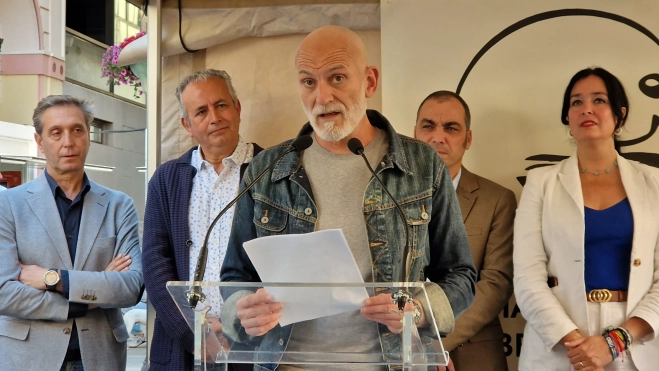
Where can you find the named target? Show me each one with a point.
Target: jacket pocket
(417, 214)
(120, 332)
(117, 324)
(14, 328)
(418, 218)
(268, 219)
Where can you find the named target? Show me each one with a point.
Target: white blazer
(549, 241)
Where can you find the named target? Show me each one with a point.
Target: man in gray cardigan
(70, 256)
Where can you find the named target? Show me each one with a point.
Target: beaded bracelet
(623, 333)
(612, 346)
(628, 336)
(619, 343)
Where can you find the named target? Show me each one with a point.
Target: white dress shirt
(211, 192)
(456, 180)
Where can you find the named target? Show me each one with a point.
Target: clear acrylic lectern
(413, 348)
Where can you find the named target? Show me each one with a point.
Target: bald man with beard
(328, 187)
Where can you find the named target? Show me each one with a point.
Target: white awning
(205, 27)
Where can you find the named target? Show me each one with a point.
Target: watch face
(51, 278)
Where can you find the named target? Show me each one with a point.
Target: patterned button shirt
(211, 192)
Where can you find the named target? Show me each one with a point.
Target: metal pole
(154, 73)
(153, 115)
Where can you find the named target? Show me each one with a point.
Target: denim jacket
(421, 183)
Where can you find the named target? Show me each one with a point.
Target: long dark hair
(614, 89)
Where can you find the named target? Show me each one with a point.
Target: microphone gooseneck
(403, 296)
(195, 295)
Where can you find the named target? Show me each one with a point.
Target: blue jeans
(72, 366)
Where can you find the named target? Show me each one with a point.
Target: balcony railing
(84, 66)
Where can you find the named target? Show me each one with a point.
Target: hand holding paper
(258, 313)
(382, 309)
(318, 257)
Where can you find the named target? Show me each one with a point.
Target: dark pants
(232, 367)
(72, 366)
(485, 355)
(241, 367)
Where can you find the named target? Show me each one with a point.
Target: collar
(395, 157)
(238, 156)
(54, 187)
(468, 182)
(456, 180)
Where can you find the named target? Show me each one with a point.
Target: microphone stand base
(194, 296)
(402, 297)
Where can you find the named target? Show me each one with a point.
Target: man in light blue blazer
(70, 256)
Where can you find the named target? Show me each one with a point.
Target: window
(126, 20)
(96, 130)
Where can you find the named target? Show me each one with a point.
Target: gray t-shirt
(338, 183)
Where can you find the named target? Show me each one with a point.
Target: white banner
(511, 60)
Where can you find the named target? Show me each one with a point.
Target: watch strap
(417, 312)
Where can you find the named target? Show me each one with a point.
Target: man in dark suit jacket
(488, 210)
(184, 196)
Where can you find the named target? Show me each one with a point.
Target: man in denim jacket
(329, 187)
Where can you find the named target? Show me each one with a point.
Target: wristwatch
(417, 313)
(51, 278)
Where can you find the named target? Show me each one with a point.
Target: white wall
(17, 139)
(515, 90)
(14, 16)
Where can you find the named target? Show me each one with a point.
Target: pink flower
(123, 72)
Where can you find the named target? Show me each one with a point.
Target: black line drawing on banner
(652, 91)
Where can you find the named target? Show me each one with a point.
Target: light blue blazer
(34, 329)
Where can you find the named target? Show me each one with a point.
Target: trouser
(485, 355)
(72, 366)
(602, 315)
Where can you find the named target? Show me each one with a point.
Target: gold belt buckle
(600, 295)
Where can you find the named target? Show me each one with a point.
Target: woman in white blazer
(590, 221)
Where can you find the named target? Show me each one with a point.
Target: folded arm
(17, 299)
(113, 289)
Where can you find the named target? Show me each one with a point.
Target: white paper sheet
(318, 257)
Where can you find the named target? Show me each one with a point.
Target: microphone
(195, 295)
(402, 296)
